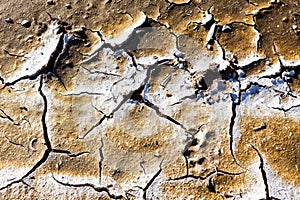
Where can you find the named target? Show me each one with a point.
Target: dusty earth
(161, 99)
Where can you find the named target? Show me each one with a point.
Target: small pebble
(9, 20)
(50, 2)
(68, 6)
(210, 47)
(226, 28)
(294, 27)
(25, 23)
(285, 19)
(262, 126)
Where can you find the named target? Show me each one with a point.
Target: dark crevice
(14, 143)
(263, 173)
(6, 116)
(152, 180)
(254, 64)
(99, 72)
(228, 173)
(12, 54)
(94, 126)
(250, 84)
(211, 186)
(84, 93)
(193, 177)
(235, 102)
(59, 151)
(286, 109)
(97, 189)
(43, 119)
(128, 96)
(101, 160)
(187, 165)
(138, 96)
(216, 172)
(46, 138)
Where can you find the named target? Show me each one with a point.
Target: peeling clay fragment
(242, 40)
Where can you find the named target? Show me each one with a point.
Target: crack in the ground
(15, 143)
(192, 177)
(89, 185)
(70, 154)
(45, 136)
(84, 93)
(6, 116)
(209, 175)
(236, 100)
(100, 72)
(148, 185)
(132, 94)
(94, 126)
(210, 185)
(101, 160)
(13, 54)
(43, 120)
(263, 173)
(32, 170)
(286, 109)
(137, 96)
(251, 83)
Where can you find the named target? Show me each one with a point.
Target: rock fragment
(26, 23)
(9, 20)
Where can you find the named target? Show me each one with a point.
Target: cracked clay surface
(162, 99)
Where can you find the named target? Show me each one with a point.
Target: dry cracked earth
(161, 99)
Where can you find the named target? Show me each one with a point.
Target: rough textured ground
(161, 99)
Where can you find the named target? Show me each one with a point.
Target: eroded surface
(150, 99)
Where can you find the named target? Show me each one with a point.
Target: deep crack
(152, 181)
(263, 173)
(97, 189)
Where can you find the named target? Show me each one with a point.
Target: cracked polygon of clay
(141, 134)
(197, 54)
(276, 143)
(154, 41)
(20, 114)
(256, 6)
(228, 12)
(79, 169)
(179, 17)
(37, 59)
(242, 42)
(279, 32)
(64, 127)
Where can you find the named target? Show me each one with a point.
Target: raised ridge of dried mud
(158, 99)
